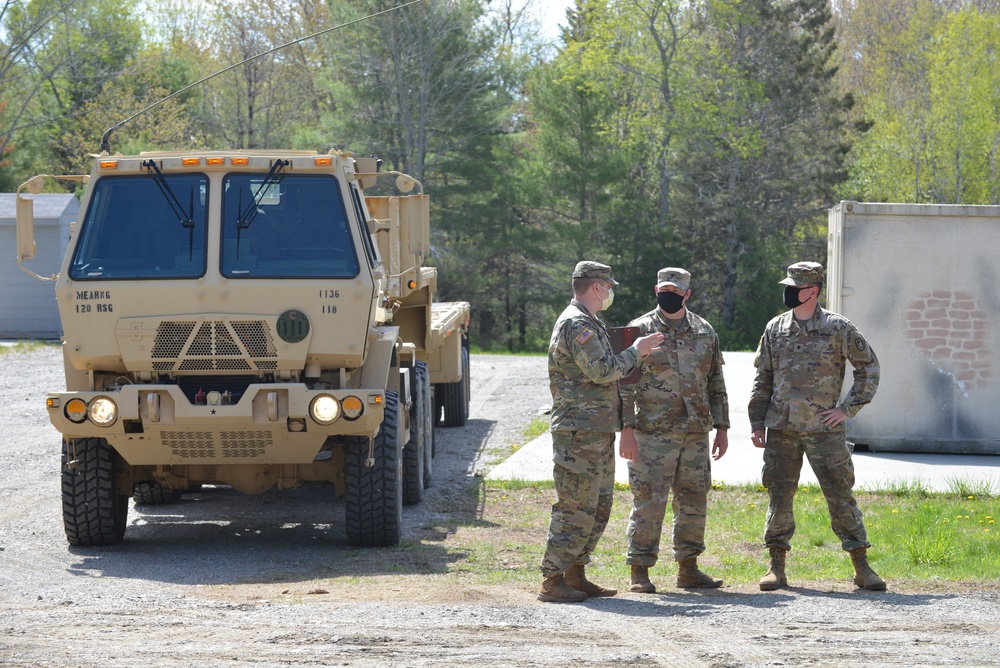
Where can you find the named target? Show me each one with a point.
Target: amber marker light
(76, 410)
(239, 161)
(215, 161)
(323, 161)
(189, 162)
(412, 285)
(352, 407)
(109, 164)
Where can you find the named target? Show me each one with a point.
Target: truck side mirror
(25, 212)
(25, 228)
(367, 171)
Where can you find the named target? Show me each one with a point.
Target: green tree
(761, 155)
(929, 83)
(67, 63)
(964, 82)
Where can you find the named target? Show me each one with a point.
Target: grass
(536, 428)
(497, 530)
(25, 347)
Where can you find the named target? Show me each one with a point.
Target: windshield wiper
(247, 215)
(185, 218)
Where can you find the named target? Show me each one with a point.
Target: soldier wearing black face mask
(796, 411)
(668, 414)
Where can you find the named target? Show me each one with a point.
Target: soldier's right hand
(645, 344)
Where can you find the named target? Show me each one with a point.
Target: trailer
(922, 282)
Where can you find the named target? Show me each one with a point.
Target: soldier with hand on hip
(586, 413)
(801, 362)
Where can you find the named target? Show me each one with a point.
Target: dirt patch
(222, 579)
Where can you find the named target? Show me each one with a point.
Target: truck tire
(456, 396)
(413, 453)
(93, 511)
(426, 399)
(374, 499)
(152, 493)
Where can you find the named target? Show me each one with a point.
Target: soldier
(679, 398)
(800, 363)
(586, 413)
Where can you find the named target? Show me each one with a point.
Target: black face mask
(791, 296)
(671, 302)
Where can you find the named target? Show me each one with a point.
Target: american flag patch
(584, 336)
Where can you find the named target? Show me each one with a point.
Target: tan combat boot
(689, 576)
(640, 580)
(577, 579)
(775, 578)
(555, 590)
(864, 576)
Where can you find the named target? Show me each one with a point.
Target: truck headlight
(102, 411)
(325, 409)
(353, 408)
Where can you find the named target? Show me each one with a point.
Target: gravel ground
(223, 579)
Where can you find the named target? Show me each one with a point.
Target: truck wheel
(152, 493)
(429, 418)
(413, 453)
(456, 396)
(93, 511)
(374, 500)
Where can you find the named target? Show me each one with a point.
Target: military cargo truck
(252, 319)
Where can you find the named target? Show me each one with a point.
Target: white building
(28, 305)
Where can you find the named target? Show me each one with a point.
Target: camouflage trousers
(668, 463)
(584, 474)
(830, 459)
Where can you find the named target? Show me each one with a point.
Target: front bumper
(271, 423)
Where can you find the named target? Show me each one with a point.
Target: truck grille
(212, 444)
(217, 345)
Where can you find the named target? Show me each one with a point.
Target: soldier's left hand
(832, 417)
(721, 443)
(628, 447)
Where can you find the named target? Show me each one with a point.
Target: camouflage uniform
(586, 413)
(800, 372)
(679, 398)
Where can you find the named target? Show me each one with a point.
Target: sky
(551, 13)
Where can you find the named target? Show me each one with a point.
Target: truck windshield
(129, 232)
(299, 230)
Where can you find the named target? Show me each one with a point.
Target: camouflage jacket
(681, 386)
(800, 372)
(583, 373)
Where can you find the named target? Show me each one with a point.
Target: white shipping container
(922, 282)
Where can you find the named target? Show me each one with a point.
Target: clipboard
(621, 338)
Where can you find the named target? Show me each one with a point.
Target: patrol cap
(675, 276)
(801, 274)
(588, 269)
